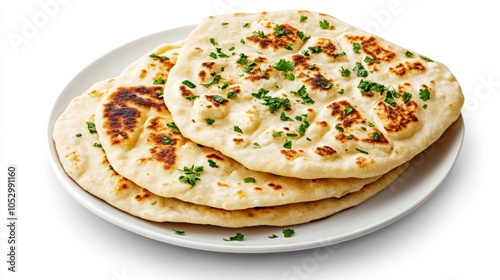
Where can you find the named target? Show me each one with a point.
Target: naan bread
(144, 145)
(89, 167)
(302, 94)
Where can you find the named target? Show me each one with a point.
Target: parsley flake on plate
(237, 237)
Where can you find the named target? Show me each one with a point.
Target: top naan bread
(143, 144)
(302, 94)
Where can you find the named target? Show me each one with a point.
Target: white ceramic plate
(407, 193)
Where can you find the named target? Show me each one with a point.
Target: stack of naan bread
(275, 118)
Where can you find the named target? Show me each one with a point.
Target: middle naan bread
(143, 144)
(302, 94)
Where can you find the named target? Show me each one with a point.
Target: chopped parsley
(316, 49)
(231, 95)
(191, 97)
(284, 65)
(97, 145)
(303, 18)
(345, 72)
(324, 83)
(78, 135)
(376, 136)
(212, 164)
(406, 97)
(425, 94)
(209, 121)
(174, 127)
(256, 145)
(369, 86)
(219, 99)
(249, 180)
(277, 133)
(409, 54)
(154, 202)
(324, 24)
(302, 36)
(389, 99)
(360, 70)
(242, 59)
(213, 82)
(224, 23)
(191, 175)
(179, 232)
(237, 129)
(288, 232)
(288, 144)
(368, 59)
(272, 236)
(339, 128)
(213, 42)
(274, 103)
(259, 33)
(154, 55)
(278, 31)
(361, 151)
(348, 110)
(426, 58)
(188, 84)
(91, 127)
(237, 237)
(159, 81)
(284, 117)
(246, 24)
(339, 55)
(160, 93)
(167, 141)
(301, 92)
(356, 47)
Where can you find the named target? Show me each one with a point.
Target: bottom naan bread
(78, 147)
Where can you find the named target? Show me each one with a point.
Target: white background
(453, 236)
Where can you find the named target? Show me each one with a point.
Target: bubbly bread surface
(302, 94)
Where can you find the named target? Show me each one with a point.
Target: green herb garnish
(188, 84)
(154, 55)
(237, 237)
(212, 164)
(192, 174)
(237, 129)
(167, 141)
(362, 151)
(288, 144)
(360, 70)
(324, 24)
(179, 232)
(278, 31)
(356, 47)
(426, 58)
(249, 180)
(288, 232)
(302, 93)
(159, 81)
(213, 82)
(284, 65)
(425, 94)
(91, 127)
